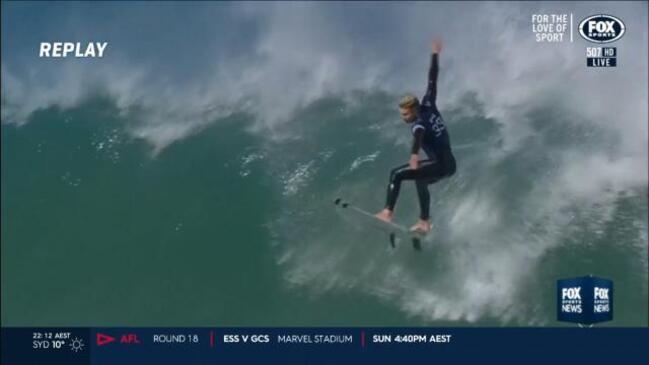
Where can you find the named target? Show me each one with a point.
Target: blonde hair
(408, 101)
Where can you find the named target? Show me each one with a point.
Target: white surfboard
(393, 229)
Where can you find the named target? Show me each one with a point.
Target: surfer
(430, 134)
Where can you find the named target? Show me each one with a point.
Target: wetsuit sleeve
(417, 138)
(431, 91)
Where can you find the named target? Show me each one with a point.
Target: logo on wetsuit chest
(437, 124)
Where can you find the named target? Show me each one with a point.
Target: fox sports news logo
(601, 28)
(571, 301)
(585, 300)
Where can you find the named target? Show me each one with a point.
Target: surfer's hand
(437, 45)
(414, 162)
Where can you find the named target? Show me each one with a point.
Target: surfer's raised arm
(431, 91)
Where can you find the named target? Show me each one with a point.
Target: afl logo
(601, 28)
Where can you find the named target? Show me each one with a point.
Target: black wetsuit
(430, 134)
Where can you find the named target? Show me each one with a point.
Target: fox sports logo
(601, 28)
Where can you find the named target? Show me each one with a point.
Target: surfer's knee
(396, 175)
(394, 172)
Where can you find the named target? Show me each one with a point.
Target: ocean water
(230, 226)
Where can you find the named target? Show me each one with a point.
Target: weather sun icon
(76, 345)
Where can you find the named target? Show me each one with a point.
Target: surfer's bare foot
(384, 215)
(422, 226)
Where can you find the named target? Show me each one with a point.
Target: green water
(173, 239)
(228, 227)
